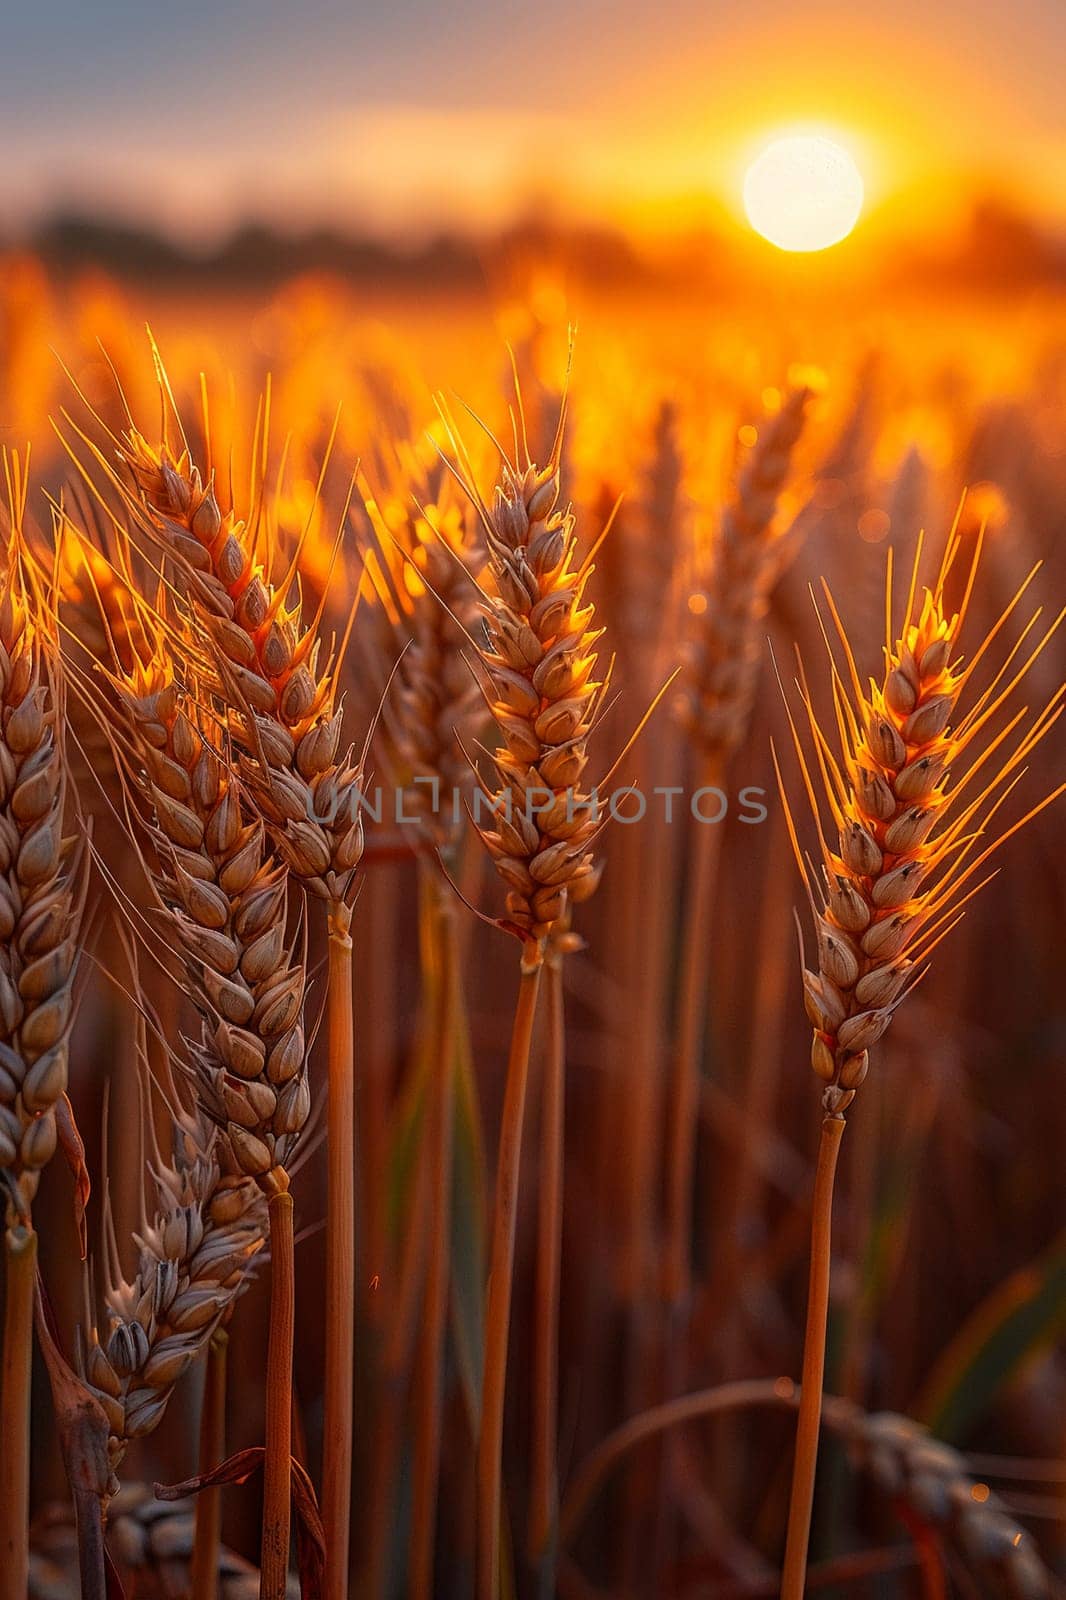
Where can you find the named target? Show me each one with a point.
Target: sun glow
(803, 193)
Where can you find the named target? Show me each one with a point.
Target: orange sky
(424, 113)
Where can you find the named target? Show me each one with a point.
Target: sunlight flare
(803, 193)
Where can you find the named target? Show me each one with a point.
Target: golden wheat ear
(428, 560)
(905, 792)
(738, 571)
(231, 582)
(202, 1226)
(537, 658)
(42, 889)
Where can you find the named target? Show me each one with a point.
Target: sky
(415, 113)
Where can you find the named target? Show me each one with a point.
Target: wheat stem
(692, 1005)
(428, 1395)
(92, 1557)
(930, 1556)
(682, 1124)
(498, 1314)
(380, 966)
(743, 1194)
(207, 1538)
(544, 1493)
(20, 1262)
(810, 1411)
(380, 1521)
(405, 1277)
(340, 1257)
(277, 1466)
(586, 1481)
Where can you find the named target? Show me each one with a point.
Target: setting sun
(803, 193)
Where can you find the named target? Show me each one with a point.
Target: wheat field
(466, 756)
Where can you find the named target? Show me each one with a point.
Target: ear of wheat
(280, 697)
(38, 892)
(285, 719)
(539, 662)
(929, 1481)
(723, 651)
(561, 942)
(431, 552)
(912, 793)
(193, 1258)
(226, 900)
(40, 911)
(936, 1484)
(911, 797)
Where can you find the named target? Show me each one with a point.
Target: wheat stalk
(722, 660)
(207, 1540)
(653, 541)
(911, 793)
(718, 689)
(278, 694)
(435, 708)
(543, 1456)
(538, 659)
(226, 898)
(424, 568)
(290, 731)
